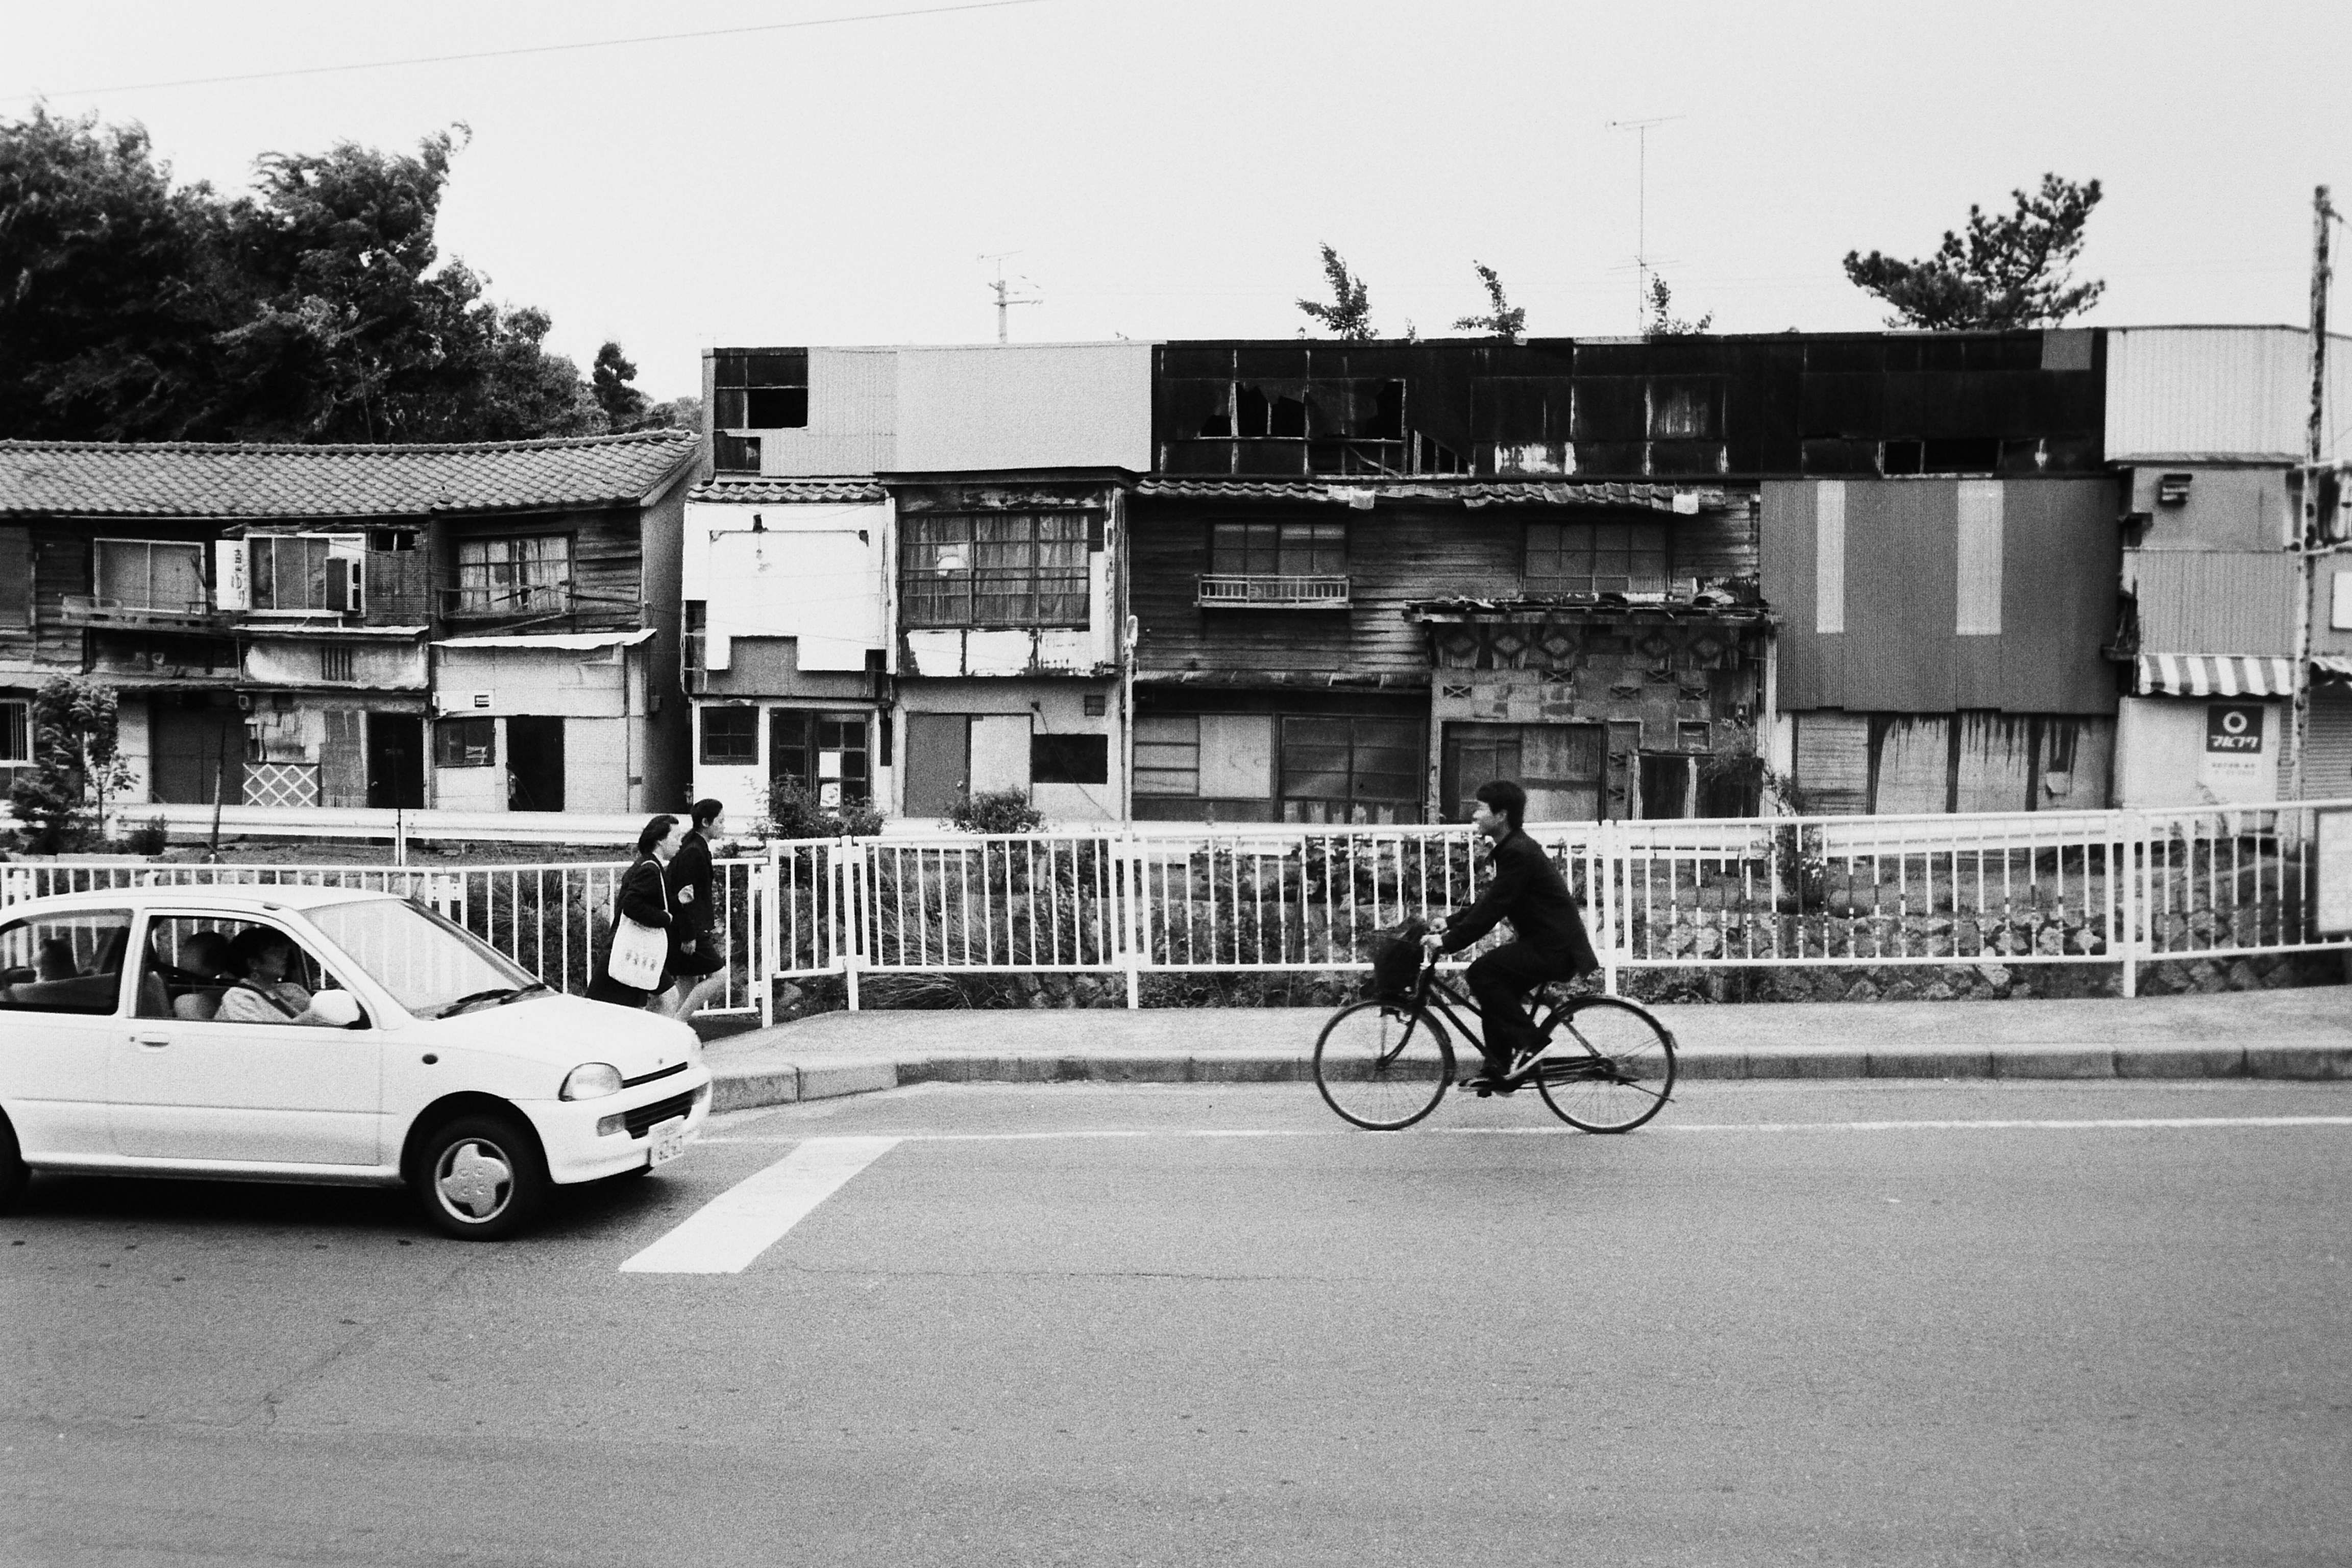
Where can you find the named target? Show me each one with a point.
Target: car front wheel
(480, 1178)
(13, 1177)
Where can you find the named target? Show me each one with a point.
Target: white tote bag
(639, 952)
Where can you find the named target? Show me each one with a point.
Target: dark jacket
(641, 898)
(1528, 892)
(688, 877)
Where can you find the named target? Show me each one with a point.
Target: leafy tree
(612, 377)
(1348, 317)
(1664, 323)
(2008, 270)
(105, 313)
(1503, 320)
(674, 414)
(77, 760)
(315, 308)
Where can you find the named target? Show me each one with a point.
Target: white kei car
(136, 1038)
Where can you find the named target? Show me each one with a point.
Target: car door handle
(152, 1042)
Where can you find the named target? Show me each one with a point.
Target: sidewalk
(2298, 1034)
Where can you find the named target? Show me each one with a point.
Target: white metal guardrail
(2124, 888)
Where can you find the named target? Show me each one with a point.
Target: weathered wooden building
(1368, 576)
(477, 627)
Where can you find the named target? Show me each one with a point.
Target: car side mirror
(334, 1009)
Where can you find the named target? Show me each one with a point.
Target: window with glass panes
(1596, 558)
(289, 571)
(730, 736)
(1351, 769)
(995, 569)
(149, 574)
(1279, 549)
(755, 391)
(514, 577)
(825, 753)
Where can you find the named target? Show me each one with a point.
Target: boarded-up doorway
(196, 746)
(1559, 765)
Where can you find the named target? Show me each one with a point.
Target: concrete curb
(768, 1082)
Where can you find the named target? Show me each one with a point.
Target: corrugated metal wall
(2214, 601)
(852, 418)
(2327, 746)
(1902, 650)
(2219, 391)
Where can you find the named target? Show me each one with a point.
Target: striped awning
(2213, 675)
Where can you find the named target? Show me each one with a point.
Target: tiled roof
(1478, 492)
(784, 492)
(184, 479)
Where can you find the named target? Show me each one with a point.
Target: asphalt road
(1076, 1324)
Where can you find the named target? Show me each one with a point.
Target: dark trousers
(1500, 981)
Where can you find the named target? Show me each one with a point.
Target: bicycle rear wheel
(1612, 1067)
(1384, 1065)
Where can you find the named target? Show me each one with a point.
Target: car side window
(66, 963)
(216, 968)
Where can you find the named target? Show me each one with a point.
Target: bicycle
(1385, 1063)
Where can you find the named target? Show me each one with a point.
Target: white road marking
(2056, 1125)
(726, 1234)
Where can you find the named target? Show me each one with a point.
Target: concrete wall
(611, 750)
(1048, 707)
(378, 665)
(817, 573)
(2227, 507)
(2162, 756)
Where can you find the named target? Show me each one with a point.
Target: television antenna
(1640, 130)
(1005, 296)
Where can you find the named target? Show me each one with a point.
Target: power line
(533, 49)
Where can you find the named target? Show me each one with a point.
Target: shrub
(795, 812)
(147, 838)
(996, 811)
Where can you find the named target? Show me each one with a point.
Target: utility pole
(1640, 130)
(2312, 536)
(1005, 297)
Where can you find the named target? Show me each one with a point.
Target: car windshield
(425, 962)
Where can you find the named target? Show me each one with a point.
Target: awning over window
(2212, 675)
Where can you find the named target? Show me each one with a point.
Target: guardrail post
(1127, 888)
(767, 953)
(1610, 852)
(2124, 869)
(849, 867)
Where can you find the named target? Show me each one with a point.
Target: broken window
(760, 391)
(1279, 549)
(996, 569)
(1586, 558)
(525, 575)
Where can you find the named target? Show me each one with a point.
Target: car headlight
(591, 1080)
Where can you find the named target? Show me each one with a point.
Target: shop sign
(2238, 759)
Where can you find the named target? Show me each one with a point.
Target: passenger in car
(264, 996)
(206, 966)
(54, 960)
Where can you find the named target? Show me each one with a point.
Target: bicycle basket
(1396, 960)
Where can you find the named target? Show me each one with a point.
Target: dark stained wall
(1901, 650)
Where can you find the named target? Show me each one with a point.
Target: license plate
(668, 1141)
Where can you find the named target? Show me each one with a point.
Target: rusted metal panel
(1901, 550)
(2060, 562)
(2215, 601)
(2207, 391)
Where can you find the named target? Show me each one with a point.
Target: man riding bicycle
(1528, 892)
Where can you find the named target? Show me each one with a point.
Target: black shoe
(1489, 1082)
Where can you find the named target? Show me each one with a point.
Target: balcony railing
(96, 610)
(1255, 592)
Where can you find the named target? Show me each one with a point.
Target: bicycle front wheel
(1384, 1065)
(1611, 1065)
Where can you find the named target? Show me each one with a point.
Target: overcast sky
(1167, 170)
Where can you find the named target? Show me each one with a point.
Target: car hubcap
(475, 1180)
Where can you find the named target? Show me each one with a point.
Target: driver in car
(265, 995)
